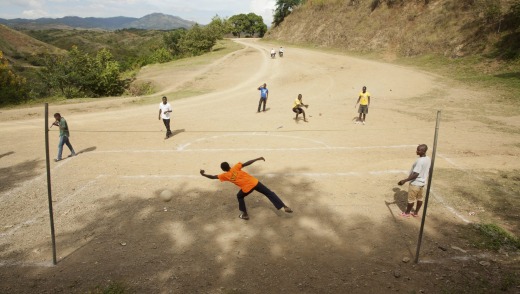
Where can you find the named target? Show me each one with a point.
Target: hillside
(452, 28)
(154, 21)
(126, 45)
(20, 48)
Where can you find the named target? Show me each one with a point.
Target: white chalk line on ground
(5, 263)
(441, 200)
(458, 166)
(255, 149)
(23, 186)
(276, 175)
(45, 213)
(217, 137)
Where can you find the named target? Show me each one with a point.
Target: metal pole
(429, 185)
(49, 192)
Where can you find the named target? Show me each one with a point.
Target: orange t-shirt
(235, 175)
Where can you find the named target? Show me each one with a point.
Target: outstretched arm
(213, 177)
(251, 161)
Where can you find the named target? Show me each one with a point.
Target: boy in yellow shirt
(364, 103)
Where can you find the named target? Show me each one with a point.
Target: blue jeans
(277, 202)
(64, 140)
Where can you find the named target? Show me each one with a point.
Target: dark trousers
(277, 202)
(262, 100)
(167, 125)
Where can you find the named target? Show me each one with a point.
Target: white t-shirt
(164, 108)
(422, 167)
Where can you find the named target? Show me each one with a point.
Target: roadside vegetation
(104, 64)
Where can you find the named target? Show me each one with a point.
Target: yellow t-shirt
(240, 178)
(364, 98)
(296, 103)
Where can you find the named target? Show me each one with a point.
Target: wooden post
(429, 186)
(49, 191)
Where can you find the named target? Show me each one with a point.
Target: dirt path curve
(339, 177)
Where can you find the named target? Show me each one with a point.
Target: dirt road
(339, 177)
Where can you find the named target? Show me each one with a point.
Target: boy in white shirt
(418, 177)
(164, 112)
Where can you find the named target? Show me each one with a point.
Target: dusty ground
(345, 234)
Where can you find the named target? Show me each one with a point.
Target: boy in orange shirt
(247, 184)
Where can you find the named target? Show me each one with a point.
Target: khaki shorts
(415, 193)
(363, 109)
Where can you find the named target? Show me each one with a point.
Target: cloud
(34, 13)
(201, 11)
(263, 8)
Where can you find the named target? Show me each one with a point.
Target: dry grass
(20, 48)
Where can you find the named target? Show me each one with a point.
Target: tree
(13, 88)
(283, 9)
(106, 75)
(238, 23)
(197, 40)
(160, 55)
(255, 25)
(172, 41)
(250, 24)
(219, 27)
(77, 74)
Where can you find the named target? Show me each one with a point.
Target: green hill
(21, 49)
(127, 46)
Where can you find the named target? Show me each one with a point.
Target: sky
(201, 11)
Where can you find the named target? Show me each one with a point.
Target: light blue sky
(200, 11)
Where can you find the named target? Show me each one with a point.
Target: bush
(80, 75)
(13, 88)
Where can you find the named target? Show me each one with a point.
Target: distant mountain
(154, 21)
(159, 21)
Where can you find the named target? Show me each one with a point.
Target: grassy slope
(19, 48)
(125, 45)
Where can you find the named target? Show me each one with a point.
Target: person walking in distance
(164, 112)
(64, 136)
(264, 94)
(297, 107)
(364, 103)
(418, 177)
(247, 184)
